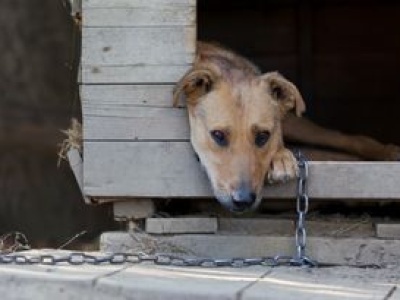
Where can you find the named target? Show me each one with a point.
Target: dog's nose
(243, 198)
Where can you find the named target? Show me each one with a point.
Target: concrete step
(345, 251)
(148, 281)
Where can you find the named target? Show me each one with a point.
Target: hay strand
(72, 141)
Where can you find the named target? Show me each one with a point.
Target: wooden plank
(170, 169)
(126, 95)
(123, 4)
(136, 55)
(142, 169)
(140, 13)
(138, 209)
(132, 112)
(181, 225)
(136, 123)
(102, 122)
(138, 46)
(132, 74)
(256, 226)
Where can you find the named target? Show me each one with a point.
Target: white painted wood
(127, 95)
(138, 46)
(135, 123)
(152, 169)
(133, 112)
(170, 169)
(137, 209)
(86, 4)
(149, 14)
(136, 55)
(76, 164)
(181, 225)
(132, 74)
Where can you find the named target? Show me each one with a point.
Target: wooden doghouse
(133, 51)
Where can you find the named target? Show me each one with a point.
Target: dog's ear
(194, 84)
(285, 92)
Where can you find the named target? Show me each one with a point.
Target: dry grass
(72, 141)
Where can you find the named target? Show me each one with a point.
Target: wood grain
(139, 13)
(138, 46)
(170, 169)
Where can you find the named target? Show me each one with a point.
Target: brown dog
(238, 117)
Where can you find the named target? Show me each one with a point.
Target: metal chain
(300, 258)
(80, 258)
(302, 203)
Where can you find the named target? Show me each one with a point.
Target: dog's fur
(238, 118)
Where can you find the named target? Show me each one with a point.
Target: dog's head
(235, 128)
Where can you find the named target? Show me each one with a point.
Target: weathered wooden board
(152, 169)
(170, 169)
(138, 46)
(87, 4)
(132, 112)
(137, 41)
(127, 95)
(129, 13)
(135, 123)
(132, 74)
(136, 55)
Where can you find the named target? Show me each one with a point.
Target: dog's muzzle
(243, 198)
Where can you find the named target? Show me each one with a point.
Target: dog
(238, 118)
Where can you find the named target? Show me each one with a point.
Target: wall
(343, 55)
(37, 98)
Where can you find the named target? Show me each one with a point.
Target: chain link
(302, 203)
(80, 258)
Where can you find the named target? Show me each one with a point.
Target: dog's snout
(243, 198)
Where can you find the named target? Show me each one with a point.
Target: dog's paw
(283, 167)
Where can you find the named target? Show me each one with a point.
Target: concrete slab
(36, 282)
(333, 283)
(394, 294)
(152, 282)
(158, 283)
(348, 251)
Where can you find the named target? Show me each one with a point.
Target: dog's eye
(261, 138)
(277, 92)
(219, 137)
